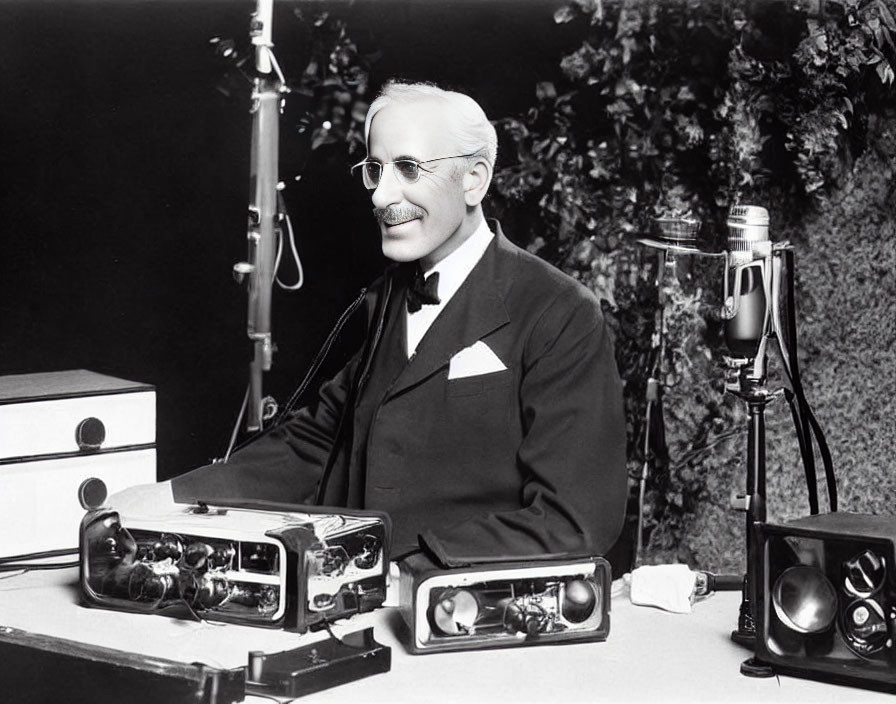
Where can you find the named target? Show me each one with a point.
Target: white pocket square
(474, 360)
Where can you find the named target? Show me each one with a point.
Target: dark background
(125, 182)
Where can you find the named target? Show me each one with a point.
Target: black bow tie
(423, 292)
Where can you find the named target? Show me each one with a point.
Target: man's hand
(143, 500)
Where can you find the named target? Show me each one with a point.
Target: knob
(90, 434)
(92, 493)
(241, 270)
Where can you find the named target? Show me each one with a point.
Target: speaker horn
(805, 599)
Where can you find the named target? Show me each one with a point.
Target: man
(484, 414)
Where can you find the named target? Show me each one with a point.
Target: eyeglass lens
(408, 171)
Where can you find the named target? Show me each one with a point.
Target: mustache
(394, 215)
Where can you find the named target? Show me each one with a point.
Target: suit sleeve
(284, 464)
(572, 456)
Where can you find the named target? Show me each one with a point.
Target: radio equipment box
(504, 604)
(56, 430)
(826, 602)
(259, 565)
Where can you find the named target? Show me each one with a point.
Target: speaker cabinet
(826, 599)
(504, 604)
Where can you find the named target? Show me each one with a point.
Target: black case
(818, 551)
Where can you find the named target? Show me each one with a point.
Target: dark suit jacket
(528, 462)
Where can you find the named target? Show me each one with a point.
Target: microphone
(746, 308)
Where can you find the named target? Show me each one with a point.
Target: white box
(56, 430)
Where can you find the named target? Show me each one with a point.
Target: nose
(388, 190)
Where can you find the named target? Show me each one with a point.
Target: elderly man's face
(423, 220)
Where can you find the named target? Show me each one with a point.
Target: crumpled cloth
(667, 587)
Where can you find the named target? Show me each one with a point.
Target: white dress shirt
(453, 271)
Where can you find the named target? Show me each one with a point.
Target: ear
(477, 179)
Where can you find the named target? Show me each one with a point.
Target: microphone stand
(744, 384)
(263, 228)
(746, 378)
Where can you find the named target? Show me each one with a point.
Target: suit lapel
(472, 313)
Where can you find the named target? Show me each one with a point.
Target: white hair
(472, 129)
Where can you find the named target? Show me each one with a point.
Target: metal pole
(262, 227)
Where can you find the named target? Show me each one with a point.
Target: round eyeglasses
(406, 170)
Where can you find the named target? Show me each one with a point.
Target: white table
(650, 655)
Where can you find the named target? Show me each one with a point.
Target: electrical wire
(706, 447)
(356, 386)
(29, 566)
(300, 281)
(329, 629)
(19, 563)
(276, 66)
(316, 363)
(39, 555)
(18, 573)
(799, 423)
(323, 352)
(237, 425)
(806, 425)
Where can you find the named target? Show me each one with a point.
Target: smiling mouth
(397, 221)
(397, 215)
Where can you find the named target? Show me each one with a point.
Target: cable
(782, 335)
(355, 390)
(276, 67)
(300, 281)
(14, 563)
(237, 425)
(309, 375)
(801, 427)
(323, 352)
(39, 555)
(329, 629)
(808, 423)
(805, 448)
(28, 566)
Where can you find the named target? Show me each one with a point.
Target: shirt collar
(455, 268)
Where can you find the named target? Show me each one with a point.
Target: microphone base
(751, 667)
(744, 638)
(745, 634)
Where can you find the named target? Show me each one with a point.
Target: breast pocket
(479, 384)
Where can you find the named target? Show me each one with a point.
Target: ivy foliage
(334, 84)
(686, 108)
(692, 106)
